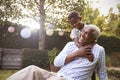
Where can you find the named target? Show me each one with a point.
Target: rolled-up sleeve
(60, 59)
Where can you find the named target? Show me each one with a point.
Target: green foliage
(110, 43)
(10, 10)
(113, 59)
(56, 41)
(100, 22)
(57, 11)
(113, 21)
(114, 73)
(117, 28)
(52, 54)
(35, 57)
(108, 61)
(15, 9)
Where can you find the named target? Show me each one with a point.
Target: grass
(4, 74)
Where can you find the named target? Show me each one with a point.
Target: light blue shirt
(81, 68)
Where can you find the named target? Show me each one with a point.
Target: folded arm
(66, 55)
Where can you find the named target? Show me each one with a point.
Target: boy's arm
(74, 36)
(89, 56)
(82, 52)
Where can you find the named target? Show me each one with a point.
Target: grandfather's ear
(80, 18)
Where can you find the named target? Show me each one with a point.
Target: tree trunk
(41, 36)
(42, 25)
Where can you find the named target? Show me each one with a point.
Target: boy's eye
(73, 21)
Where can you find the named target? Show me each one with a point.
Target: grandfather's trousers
(34, 73)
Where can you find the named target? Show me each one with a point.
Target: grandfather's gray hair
(96, 30)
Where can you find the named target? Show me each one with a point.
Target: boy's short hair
(73, 14)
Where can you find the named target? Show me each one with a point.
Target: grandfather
(75, 67)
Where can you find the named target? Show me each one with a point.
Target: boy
(76, 21)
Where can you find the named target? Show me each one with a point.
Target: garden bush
(115, 73)
(113, 59)
(35, 57)
(110, 43)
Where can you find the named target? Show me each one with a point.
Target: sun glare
(30, 23)
(25, 33)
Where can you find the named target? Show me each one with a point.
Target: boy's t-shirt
(75, 33)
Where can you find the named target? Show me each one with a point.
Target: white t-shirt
(75, 33)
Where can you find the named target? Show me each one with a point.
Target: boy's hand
(91, 57)
(85, 51)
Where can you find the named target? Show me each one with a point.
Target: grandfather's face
(86, 36)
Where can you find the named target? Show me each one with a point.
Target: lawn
(4, 74)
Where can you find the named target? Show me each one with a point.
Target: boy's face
(76, 22)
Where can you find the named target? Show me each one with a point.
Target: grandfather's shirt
(81, 68)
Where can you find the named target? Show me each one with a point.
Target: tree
(100, 22)
(117, 29)
(112, 21)
(43, 11)
(40, 5)
(13, 10)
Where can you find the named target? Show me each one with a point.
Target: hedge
(35, 57)
(114, 73)
(110, 43)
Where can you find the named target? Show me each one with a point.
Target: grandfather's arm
(65, 56)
